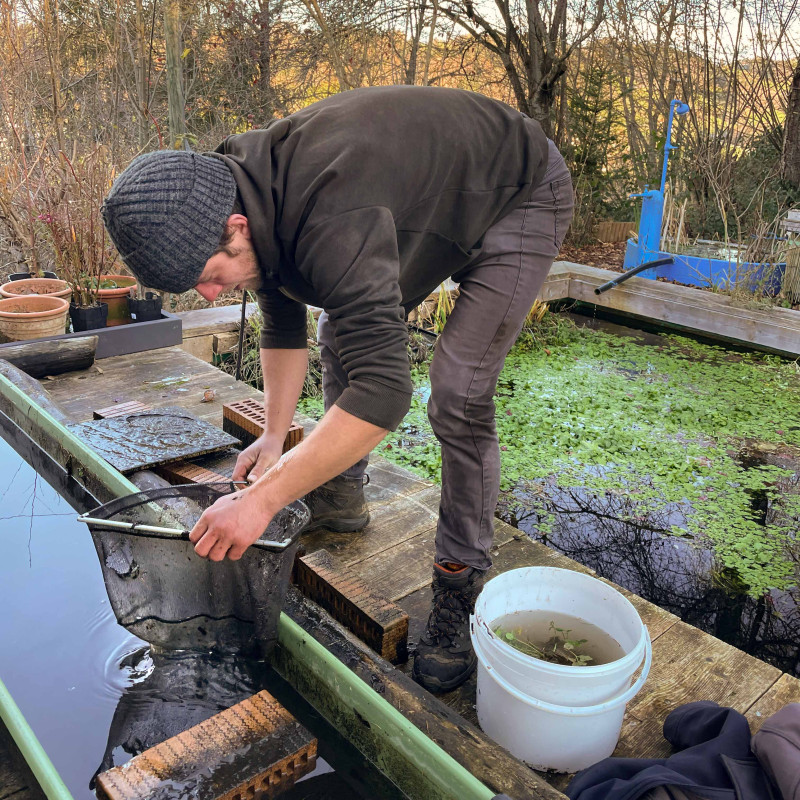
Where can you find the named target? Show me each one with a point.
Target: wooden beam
(40, 358)
(701, 312)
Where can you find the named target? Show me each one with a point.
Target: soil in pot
(88, 318)
(32, 317)
(114, 290)
(52, 287)
(145, 310)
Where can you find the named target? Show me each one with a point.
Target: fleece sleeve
(283, 321)
(352, 262)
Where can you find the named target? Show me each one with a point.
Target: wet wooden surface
(395, 554)
(16, 782)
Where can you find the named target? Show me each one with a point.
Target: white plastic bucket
(552, 716)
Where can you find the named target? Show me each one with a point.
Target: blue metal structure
(699, 269)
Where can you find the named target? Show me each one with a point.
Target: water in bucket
(560, 639)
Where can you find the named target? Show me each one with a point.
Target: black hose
(659, 262)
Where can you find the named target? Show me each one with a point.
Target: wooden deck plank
(709, 313)
(391, 523)
(784, 691)
(691, 665)
(407, 566)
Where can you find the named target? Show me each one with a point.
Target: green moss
(660, 423)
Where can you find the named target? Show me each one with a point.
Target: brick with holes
(253, 749)
(245, 420)
(377, 621)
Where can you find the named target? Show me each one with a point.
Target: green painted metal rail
(443, 775)
(32, 751)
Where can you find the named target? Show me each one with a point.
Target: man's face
(234, 268)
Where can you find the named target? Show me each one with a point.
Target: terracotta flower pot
(117, 298)
(52, 287)
(32, 316)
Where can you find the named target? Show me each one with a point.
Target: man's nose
(210, 291)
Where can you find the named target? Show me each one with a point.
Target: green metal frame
(406, 755)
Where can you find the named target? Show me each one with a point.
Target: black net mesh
(163, 592)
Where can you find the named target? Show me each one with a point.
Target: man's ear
(239, 223)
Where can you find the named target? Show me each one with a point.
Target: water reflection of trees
(634, 547)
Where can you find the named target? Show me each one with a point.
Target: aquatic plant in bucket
(552, 715)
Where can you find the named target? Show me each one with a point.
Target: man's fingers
(236, 552)
(218, 551)
(259, 468)
(243, 463)
(197, 532)
(203, 547)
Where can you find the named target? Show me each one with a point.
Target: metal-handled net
(166, 594)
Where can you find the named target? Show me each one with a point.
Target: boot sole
(435, 686)
(339, 525)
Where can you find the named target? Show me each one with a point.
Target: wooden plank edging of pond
(697, 311)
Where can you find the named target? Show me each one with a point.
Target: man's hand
(256, 459)
(229, 527)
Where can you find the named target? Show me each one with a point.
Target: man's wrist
(264, 499)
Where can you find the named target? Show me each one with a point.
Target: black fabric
(713, 760)
(363, 203)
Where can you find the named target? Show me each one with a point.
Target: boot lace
(447, 622)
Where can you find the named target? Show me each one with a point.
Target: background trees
(135, 75)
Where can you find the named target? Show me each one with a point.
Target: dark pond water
(611, 535)
(93, 693)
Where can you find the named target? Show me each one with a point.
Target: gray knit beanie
(166, 213)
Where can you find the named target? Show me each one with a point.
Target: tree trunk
(177, 110)
(790, 163)
(266, 100)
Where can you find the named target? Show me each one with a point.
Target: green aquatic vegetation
(662, 424)
(558, 649)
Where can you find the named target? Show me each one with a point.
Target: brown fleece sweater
(363, 204)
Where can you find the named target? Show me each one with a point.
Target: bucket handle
(579, 711)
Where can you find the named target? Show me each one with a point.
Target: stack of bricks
(245, 420)
(253, 749)
(377, 621)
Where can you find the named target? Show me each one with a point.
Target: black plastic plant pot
(145, 310)
(88, 318)
(23, 276)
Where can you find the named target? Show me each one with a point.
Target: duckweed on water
(664, 424)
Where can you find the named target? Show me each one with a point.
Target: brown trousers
(496, 292)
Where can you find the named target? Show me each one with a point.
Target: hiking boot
(339, 505)
(444, 657)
